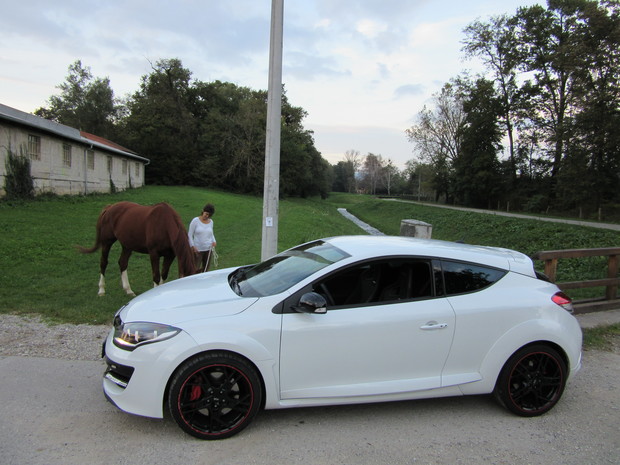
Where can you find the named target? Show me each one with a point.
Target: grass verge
(42, 272)
(602, 338)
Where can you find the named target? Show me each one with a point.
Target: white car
(343, 320)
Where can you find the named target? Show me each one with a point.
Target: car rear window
(461, 278)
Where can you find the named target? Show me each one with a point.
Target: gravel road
(52, 412)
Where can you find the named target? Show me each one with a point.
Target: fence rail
(611, 282)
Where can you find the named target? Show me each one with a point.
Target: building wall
(52, 174)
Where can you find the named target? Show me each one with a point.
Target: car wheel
(215, 395)
(532, 381)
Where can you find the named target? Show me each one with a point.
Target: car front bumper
(136, 381)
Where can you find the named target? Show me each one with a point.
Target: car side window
(378, 282)
(461, 278)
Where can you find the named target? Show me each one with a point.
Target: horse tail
(97, 245)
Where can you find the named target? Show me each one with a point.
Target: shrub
(18, 182)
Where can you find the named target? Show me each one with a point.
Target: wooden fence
(611, 283)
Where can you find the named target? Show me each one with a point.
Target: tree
(200, 133)
(84, 103)
(572, 52)
(353, 158)
(437, 135)
(244, 143)
(418, 178)
(550, 53)
(389, 174)
(591, 169)
(476, 168)
(495, 42)
(373, 165)
(161, 126)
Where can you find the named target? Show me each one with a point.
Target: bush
(18, 183)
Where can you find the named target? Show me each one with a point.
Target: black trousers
(201, 259)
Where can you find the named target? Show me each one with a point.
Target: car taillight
(563, 301)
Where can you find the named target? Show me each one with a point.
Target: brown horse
(156, 230)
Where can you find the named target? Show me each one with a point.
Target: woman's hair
(210, 209)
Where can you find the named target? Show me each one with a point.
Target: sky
(362, 70)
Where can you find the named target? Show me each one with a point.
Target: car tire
(532, 380)
(215, 395)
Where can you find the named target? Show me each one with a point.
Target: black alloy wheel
(532, 381)
(215, 395)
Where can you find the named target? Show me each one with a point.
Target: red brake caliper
(195, 393)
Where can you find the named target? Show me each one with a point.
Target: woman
(201, 237)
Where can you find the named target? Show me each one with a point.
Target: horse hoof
(101, 294)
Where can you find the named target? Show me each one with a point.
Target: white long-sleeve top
(201, 235)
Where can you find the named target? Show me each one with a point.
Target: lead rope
(215, 259)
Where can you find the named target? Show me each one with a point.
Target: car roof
(365, 247)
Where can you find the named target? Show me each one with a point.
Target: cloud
(409, 90)
(368, 63)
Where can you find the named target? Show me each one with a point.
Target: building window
(110, 165)
(34, 147)
(66, 155)
(124, 165)
(137, 169)
(90, 155)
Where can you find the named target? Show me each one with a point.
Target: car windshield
(284, 270)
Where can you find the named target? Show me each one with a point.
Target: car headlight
(129, 336)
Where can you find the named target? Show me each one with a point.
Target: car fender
(531, 331)
(256, 350)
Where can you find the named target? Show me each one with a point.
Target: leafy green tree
(573, 54)
(418, 178)
(496, 43)
(344, 177)
(84, 103)
(161, 127)
(196, 133)
(591, 172)
(476, 169)
(551, 54)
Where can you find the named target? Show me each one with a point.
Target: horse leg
(103, 264)
(155, 269)
(165, 268)
(123, 262)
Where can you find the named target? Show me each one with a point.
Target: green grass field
(42, 272)
(525, 235)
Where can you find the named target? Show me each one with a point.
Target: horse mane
(178, 240)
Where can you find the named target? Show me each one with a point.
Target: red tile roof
(103, 141)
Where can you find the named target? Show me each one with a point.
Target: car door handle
(433, 325)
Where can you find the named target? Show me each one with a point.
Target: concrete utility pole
(271, 191)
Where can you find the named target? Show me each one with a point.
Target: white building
(65, 160)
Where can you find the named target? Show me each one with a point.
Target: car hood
(205, 295)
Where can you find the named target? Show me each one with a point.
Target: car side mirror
(312, 303)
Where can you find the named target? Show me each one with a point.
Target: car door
(375, 337)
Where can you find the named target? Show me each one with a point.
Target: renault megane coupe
(343, 320)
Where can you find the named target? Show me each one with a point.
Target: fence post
(551, 268)
(612, 272)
